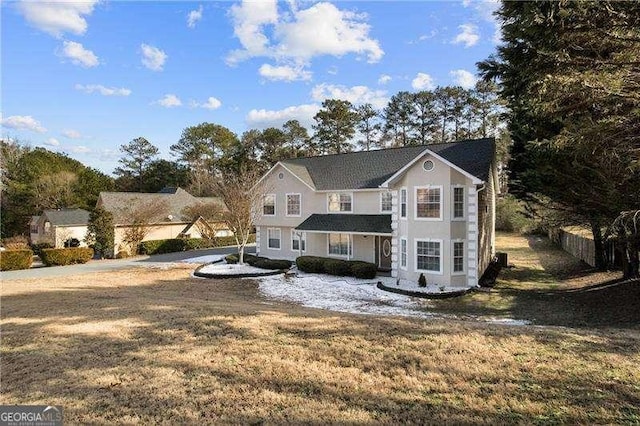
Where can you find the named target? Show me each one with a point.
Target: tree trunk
(631, 261)
(598, 242)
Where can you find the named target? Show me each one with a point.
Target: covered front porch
(351, 237)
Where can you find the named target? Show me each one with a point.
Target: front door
(384, 253)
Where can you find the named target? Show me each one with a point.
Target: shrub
(422, 281)
(19, 242)
(277, 264)
(11, 260)
(66, 256)
(341, 268)
(37, 248)
(363, 270)
(248, 258)
(123, 254)
(173, 245)
(311, 264)
(510, 215)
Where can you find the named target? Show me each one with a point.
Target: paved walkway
(114, 264)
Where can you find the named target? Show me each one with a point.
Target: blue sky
(86, 77)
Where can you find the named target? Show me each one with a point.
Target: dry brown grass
(153, 346)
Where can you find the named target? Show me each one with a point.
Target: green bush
(510, 215)
(11, 260)
(363, 270)
(278, 264)
(338, 267)
(66, 256)
(422, 281)
(249, 259)
(311, 264)
(173, 245)
(37, 248)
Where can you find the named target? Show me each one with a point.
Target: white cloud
(52, 142)
(169, 101)
(193, 17)
(423, 81)
(212, 103)
(262, 118)
(463, 78)
(71, 134)
(79, 55)
(152, 57)
(284, 73)
(23, 122)
(57, 18)
(357, 95)
(384, 79)
(80, 149)
(104, 91)
(468, 36)
(296, 36)
(485, 10)
(466, 3)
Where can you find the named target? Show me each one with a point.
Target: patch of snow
(342, 294)
(204, 259)
(231, 269)
(506, 321)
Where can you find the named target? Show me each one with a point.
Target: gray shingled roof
(119, 203)
(67, 217)
(369, 169)
(366, 223)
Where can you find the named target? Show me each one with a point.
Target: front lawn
(156, 346)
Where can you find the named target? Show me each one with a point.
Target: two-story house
(420, 209)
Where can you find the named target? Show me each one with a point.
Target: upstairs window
(293, 204)
(428, 203)
(386, 201)
(269, 205)
(458, 202)
(339, 202)
(403, 202)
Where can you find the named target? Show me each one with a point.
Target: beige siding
(63, 233)
(486, 221)
(158, 232)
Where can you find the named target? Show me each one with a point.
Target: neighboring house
(58, 226)
(421, 209)
(164, 212)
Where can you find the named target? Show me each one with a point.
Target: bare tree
(140, 220)
(211, 215)
(55, 191)
(243, 195)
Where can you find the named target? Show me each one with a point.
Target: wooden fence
(576, 241)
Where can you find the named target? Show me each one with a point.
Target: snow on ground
(230, 269)
(204, 259)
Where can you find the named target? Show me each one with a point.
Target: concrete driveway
(115, 264)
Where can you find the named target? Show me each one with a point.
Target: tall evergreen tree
(368, 126)
(137, 155)
(335, 126)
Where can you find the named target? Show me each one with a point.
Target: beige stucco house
(59, 225)
(414, 210)
(164, 212)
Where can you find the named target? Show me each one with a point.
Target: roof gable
(66, 217)
(370, 169)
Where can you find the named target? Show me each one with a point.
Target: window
(269, 205)
(403, 252)
(428, 255)
(339, 244)
(273, 235)
(428, 203)
(280, 175)
(293, 204)
(458, 202)
(298, 240)
(339, 203)
(428, 165)
(403, 202)
(386, 201)
(458, 256)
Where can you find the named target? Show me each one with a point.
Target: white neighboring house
(58, 226)
(421, 209)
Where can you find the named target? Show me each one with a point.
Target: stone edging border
(443, 295)
(267, 273)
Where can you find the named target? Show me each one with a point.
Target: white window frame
(269, 230)
(303, 238)
(275, 204)
(404, 255)
(428, 240)
(390, 195)
(415, 202)
(349, 246)
(404, 191)
(350, 194)
(453, 251)
(453, 202)
(287, 204)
